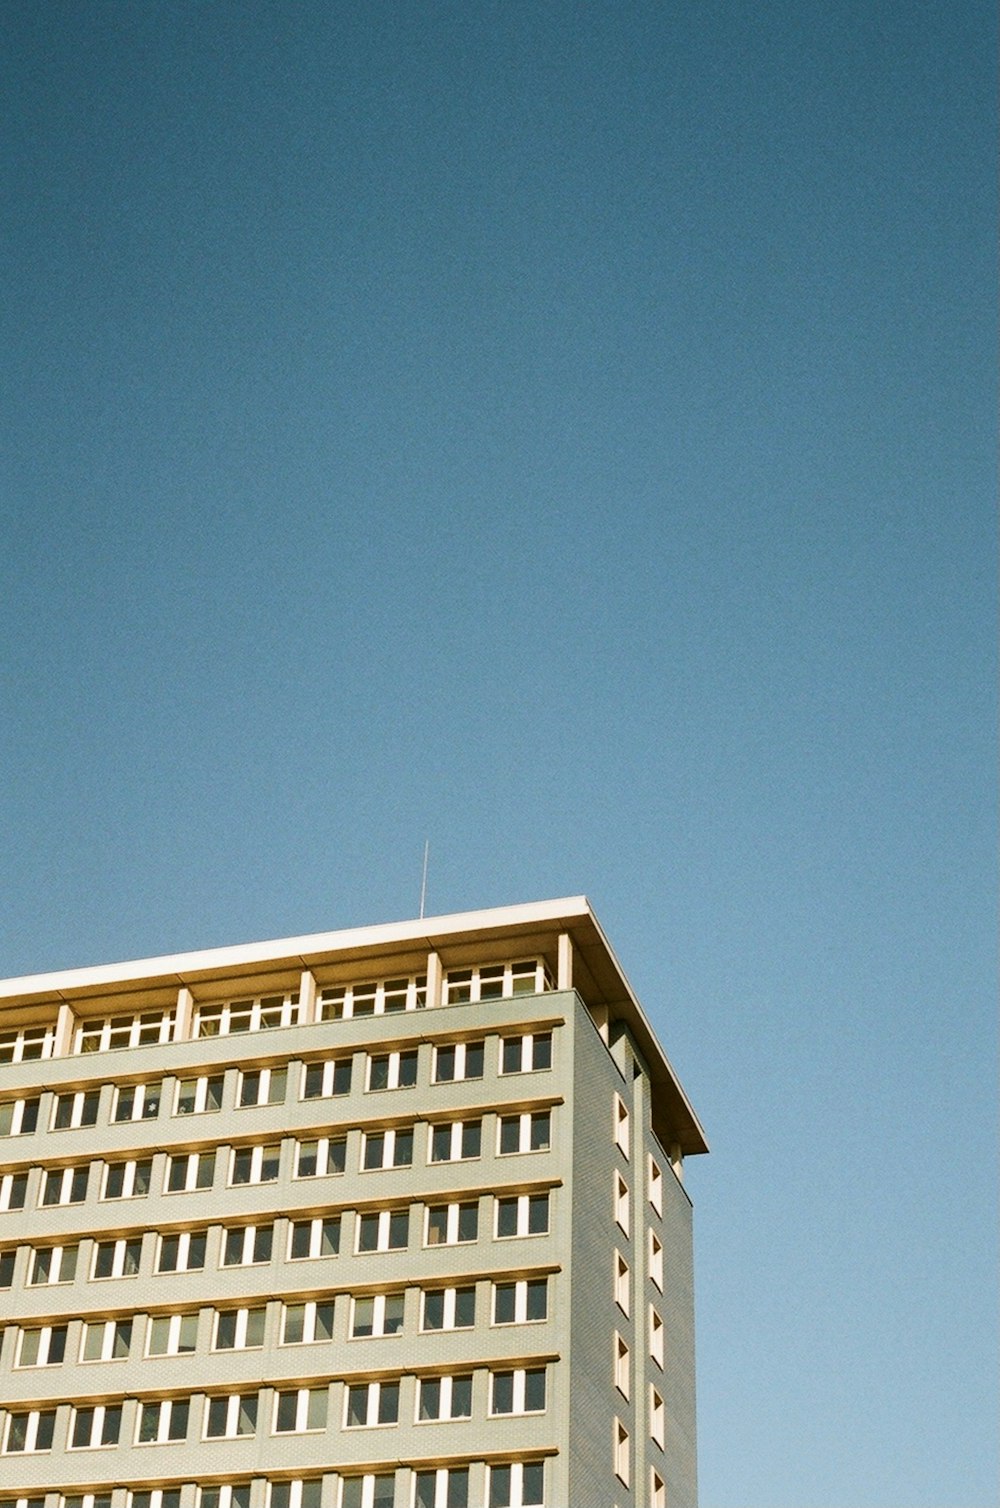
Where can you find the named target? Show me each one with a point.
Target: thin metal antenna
(423, 882)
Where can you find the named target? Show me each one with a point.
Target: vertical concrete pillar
(62, 1045)
(184, 1025)
(307, 998)
(435, 974)
(564, 964)
(676, 1160)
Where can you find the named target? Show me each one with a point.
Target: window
(520, 1391)
(137, 1102)
(623, 1366)
(373, 1490)
(327, 1154)
(29, 1431)
(161, 1421)
(523, 1215)
(525, 1301)
(326, 1080)
(189, 1170)
(448, 1309)
(19, 1117)
(656, 1185)
(658, 1491)
(96, 1035)
(106, 1340)
(621, 1126)
(621, 1452)
(383, 1230)
(451, 1224)
(262, 1086)
(197, 1096)
(154, 1497)
(387, 1149)
(172, 1335)
(27, 1045)
(95, 1427)
(64, 1185)
(13, 1190)
(231, 1415)
(657, 1417)
(529, 1053)
(528, 1132)
(621, 1202)
(371, 1403)
(42, 1347)
(458, 1060)
(87, 1500)
(656, 1260)
(184, 1251)
(392, 1070)
(74, 1110)
(622, 1298)
(297, 1410)
(519, 1485)
(52, 1264)
(655, 1336)
(343, 1002)
(7, 1259)
(117, 1259)
(227, 1495)
(377, 1314)
(496, 981)
(455, 1141)
(445, 1487)
(239, 1329)
(255, 1164)
(304, 1324)
(247, 1245)
(445, 1397)
(128, 1180)
(318, 1237)
(301, 1492)
(246, 1015)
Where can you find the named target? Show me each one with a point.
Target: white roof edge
(294, 947)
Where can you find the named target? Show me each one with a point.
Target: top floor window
(104, 1034)
(255, 1015)
(496, 981)
(28, 1044)
(383, 998)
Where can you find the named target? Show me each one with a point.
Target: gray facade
(388, 1217)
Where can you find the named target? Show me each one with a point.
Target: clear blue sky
(562, 431)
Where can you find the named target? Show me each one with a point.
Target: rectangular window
(200, 1095)
(319, 1237)
(52, 1264)
(239, 1329)
(657, 1417)
(371, 1403)
(454, 1061)
(137, 1102)
(520, 1391)
(326, 1080)
(70, 1111)
(255, 1015)
(162, 1421)
(455, 1141)
(524, 1301)
(28, 1045)
(247, 1245)
(172, 1335)
(19, 1117)
(306, 1324)
(327, 1154)
(29, 1432)
(255, 1164)
(298, 1410)
(655, 1336)
(106, 1340)
(113, 1032)
(656, 1260)
(622, 1285)
(44, 1346)
(13, 1190)
(117, 1259)
(227, 1495)
(154, 1497)
(300, 1492)
(387, 1149)
(519, 1485)
(452, 1224)
(621, 1126)
(377, 1314)
(230, 1416)
(187, 1171)
(392, 1070)
(622, 1464)
(87, 1500)
(528, 1132)
(621, 1202)
(657, 1491)
(342, 1002)
(127, 1180)
(183, 1251)
(93, 1428)
(496, 981)
(530, 1052)
(7, 1260)
(442, 1487)
(444, 1397)
(448, 1309)
(261, 1086)
(656, 1186)
(383, 1230)
(64, 1185)
(522, 1215)
(373, 1490)
(623, 1366)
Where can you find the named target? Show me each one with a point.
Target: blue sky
(563, 432)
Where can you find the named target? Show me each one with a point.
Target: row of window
(623, 1382)
(259, 1013)
(514, 1484)
(322, 1079)
(512, 1302)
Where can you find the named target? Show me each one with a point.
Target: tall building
(383, 1218)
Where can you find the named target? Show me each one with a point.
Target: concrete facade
(388, 1218)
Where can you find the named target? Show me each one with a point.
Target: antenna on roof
(423, 882)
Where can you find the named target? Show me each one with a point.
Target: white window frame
(121, 1246)
(395, 1061)
(111, 1033)
(516, 1497)
(49, 1337)
(519, 1388)
(621, 1127)
(656, 1260)
(108, 1333)
(198, 1169)
(656, 1335)
(528, 1045)
(461, 1050)
(298, 1497)
(655, 1185)
(19, 1046)
(234, 1407)
(445, 1477)
(622, 1366)
(260, 1160)
(330, 1150)
(332, 1069)
(166, 1425)
(60, 1258)
(184, 1240)
(308, 1403)
(317, 1225)
(79, 1100)
(383, 1230)
(258, 1012)
(367, 1480)
(459, 1130)
(249, 1235)
(379, 1303)
(523, 1221)
(446, 1398)
(146, 1100)
(13, 1190)
(466, 986)
(525, 1122)
(622, 1203)
(102, 1415)
(453, 1221)
(133, 1171)
(657, 1416)
(521, 1287)
(394, 1145)
(270, 1088)
(21, 1111)
(68, 1182)
(230, 1495)
(246, 1316)
(621, 1452)
(311, 1309)
(373, 1403)
(346, 1002)
(623, 1284)
(83, 1500)
(657, 1489)
(154, 1497)
(202, 1082)
(449, 1308)
(40, 1422)
(180, 1341)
